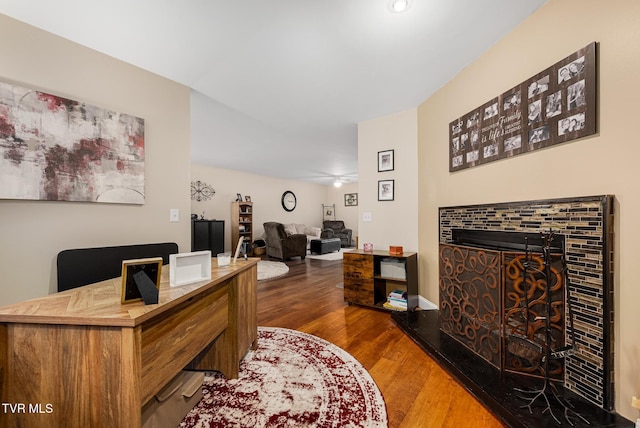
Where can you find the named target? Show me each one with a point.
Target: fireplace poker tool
(566, 351)
(548, 389)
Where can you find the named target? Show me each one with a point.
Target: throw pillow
(290, 229)
(312, 231)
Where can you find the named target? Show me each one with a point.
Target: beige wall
(266, 195)
(393, 222)
(606, 163)
(33, 232)
(335, 195)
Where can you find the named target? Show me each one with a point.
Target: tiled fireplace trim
(587, 223)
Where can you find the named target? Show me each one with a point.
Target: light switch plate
(174, 215)
(367, 217)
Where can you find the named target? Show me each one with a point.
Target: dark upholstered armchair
(281, 246)
(336, 229)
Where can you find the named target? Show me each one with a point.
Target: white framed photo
(386, 190)
(385, 160)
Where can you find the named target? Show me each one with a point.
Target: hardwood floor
(417, 391)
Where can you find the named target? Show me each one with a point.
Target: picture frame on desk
(187, 268)
(139, 268)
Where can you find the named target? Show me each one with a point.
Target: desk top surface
(100, 303)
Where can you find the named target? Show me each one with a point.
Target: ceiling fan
(338, 179)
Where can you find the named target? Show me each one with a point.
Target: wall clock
(288, 201)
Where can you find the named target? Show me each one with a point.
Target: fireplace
(494, 298)
(587, 225)
(478, 353)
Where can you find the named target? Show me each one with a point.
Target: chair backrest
(84, 266)
(333, 224)
(274, 231)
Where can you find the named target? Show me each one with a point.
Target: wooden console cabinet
(81, 359)
(365, 285)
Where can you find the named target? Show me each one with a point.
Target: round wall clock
(288, 200)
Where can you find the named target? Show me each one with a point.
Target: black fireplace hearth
(493, 388)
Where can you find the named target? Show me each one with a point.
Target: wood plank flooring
(417, 391)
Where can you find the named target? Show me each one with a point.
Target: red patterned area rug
(293, 379)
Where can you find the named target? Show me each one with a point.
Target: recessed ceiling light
(399, 5)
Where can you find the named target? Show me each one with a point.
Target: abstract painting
(57, 149)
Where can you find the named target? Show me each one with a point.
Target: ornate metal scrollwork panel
(525, 309)
(470, 298)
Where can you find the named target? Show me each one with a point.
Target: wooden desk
(81, 359)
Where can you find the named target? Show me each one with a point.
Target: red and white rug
(293, 379)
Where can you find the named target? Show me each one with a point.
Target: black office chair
(84, 266)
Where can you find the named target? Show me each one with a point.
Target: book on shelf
(398, 294)
(392, 307)
(397, 302)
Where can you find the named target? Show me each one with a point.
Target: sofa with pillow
(310, 231)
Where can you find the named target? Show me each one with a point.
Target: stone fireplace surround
(587, 225)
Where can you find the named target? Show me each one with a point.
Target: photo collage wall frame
(554, 106)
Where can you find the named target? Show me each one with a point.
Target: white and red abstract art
(57, 149)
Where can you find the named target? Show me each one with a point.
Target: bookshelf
(371, 276)
(242, 224)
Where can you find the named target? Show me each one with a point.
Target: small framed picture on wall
(350, 199)
(385, 190)
(385, 160)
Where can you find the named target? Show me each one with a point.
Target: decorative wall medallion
(201, 191)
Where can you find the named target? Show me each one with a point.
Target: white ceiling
(278, 87)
